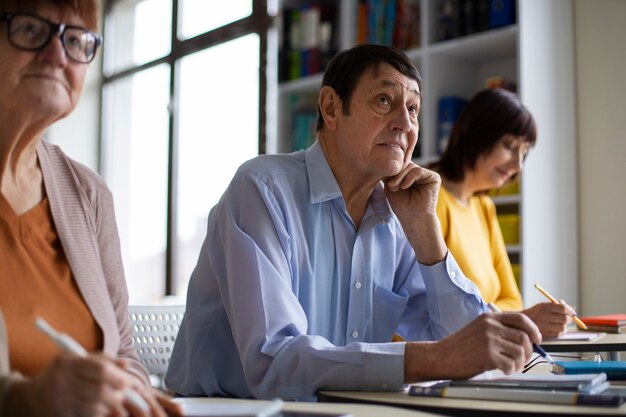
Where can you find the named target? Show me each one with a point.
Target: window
(183, 107)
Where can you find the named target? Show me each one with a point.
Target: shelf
(305, 84)
(536, 53)
(484, 46)
(513, 249)
(506, 199)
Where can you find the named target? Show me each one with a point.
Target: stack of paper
(584, 389)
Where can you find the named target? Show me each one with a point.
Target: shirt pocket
(387, 310)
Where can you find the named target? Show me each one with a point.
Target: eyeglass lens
(30, 32)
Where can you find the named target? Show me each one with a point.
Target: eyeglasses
(32, 33)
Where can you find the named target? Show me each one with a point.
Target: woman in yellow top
(486, 149)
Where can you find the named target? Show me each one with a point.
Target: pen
(536, 348)
(578, 321)
(68, 344)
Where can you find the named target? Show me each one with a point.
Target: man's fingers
(521, 322)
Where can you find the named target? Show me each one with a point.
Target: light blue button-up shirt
(289, 297)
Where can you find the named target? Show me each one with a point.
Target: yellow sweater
(474, 238)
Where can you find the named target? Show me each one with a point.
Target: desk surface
(458, 407)
(356, 410)
(610, 342)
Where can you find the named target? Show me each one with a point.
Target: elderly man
(314, 259)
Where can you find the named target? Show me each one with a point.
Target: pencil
(578, 321)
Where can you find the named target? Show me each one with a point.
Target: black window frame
(258, 22)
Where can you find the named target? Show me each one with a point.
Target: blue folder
(613, 369)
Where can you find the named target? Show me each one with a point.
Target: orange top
(36, 280)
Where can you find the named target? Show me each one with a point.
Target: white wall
(601, 87)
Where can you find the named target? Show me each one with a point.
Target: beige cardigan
(83, 213)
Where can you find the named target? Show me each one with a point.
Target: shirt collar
(323, 185)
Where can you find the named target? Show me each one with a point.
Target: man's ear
(330, 106)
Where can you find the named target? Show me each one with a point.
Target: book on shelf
(457, 18)
(614, 370)
(388, 22)
(303, 107)
(449, 24)
(618, 319)
(306, 39)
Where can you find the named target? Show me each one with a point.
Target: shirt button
(357, 285)
(355, 334)
(453, 274)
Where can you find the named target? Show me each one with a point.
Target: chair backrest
(154, 332)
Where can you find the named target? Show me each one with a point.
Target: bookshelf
(536, 52)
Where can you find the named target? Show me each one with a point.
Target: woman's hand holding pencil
(578, 321)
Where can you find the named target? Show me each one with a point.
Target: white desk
(462, 407)
(611, 342)
(468, 407)
(356, 410)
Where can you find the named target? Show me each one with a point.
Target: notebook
(584, 389)
(576, 337)
(576, 383)
(610, 397)
(614, 370)
(606, 319)
(200, 407)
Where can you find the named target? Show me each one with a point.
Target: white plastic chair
(154, 332)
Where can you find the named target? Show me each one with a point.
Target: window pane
(137, 31)
(218, 130)
(200, 16)
(136, 125)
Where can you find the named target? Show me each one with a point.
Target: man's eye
(384, 100)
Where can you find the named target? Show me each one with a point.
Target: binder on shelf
(450, 108)
(449, 20)
(469, 17)
(501, 13)
(482, 14)
(614, 370)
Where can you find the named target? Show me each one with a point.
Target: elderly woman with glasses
(58, 238)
